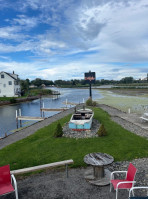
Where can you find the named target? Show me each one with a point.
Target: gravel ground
(131, 122)
(54, 184)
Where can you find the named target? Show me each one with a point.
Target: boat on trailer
(81, 120)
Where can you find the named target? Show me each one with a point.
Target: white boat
(81, 120)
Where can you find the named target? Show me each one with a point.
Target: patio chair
(131, 196)
(7, 182)
(126, 183)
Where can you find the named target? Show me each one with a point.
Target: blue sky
(62, 39)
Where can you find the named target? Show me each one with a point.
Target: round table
(98, 175)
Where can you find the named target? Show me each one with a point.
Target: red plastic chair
(7, 181)
(126, 183)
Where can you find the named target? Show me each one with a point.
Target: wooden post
(20, 119)
(16, 120)
(40, 106)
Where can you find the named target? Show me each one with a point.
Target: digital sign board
(90, 77)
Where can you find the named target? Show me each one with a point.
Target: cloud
(24, 21)
(73, 35)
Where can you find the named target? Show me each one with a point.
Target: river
(32, 108)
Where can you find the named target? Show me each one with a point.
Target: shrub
(94, 103)
(90, 102)
(58, 131)
(102, 131)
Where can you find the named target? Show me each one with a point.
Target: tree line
(25, 84)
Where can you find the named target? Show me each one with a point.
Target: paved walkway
(131, 122)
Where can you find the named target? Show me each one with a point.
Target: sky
(63, 39)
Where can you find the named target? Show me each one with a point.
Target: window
(2, 76)
(4, 85)
(10, 82)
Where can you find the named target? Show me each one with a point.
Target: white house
(9, 85)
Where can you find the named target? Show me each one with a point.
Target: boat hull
(81, 122)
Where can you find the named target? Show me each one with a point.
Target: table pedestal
(98, 176)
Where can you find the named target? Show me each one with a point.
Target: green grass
(6, 98)
(38, 91)
(42, 147)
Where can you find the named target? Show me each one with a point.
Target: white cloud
(28, 22)
(77, 35)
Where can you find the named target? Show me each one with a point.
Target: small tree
(102, 131)
(90, 102)
(58, 131)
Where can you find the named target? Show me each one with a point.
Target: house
(9, 85)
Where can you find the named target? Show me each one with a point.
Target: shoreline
(19, 100)
(29, 130)
(25, 99)
(127, 121)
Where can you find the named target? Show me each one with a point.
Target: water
(32, 108)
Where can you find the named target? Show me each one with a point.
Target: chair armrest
(132, 189)
(112, 174)
(125, 182)
(13, 180)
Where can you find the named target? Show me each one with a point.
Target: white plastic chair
(131, 196)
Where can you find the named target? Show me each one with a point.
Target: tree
(127, 80)
(37, 82)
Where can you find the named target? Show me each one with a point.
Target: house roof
(10, 75)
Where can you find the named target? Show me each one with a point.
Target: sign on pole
(90, 78)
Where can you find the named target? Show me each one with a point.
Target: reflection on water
(8, 113)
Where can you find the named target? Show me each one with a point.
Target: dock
(55, 94)
(30, 118)
(54, 109)
(42, 110)
(20, 118)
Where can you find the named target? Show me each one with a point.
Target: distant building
(9, 85)
(32, 86)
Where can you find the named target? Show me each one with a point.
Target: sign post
(90, 79)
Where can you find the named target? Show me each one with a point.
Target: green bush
(102, 131)
(90, 102)
(58, 131)
(94, 103)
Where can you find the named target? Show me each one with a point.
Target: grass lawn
(42, 147)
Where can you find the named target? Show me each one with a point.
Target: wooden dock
(54, 109)
(30, 118)
(55, 94)
(51, 109)
(20, 118)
